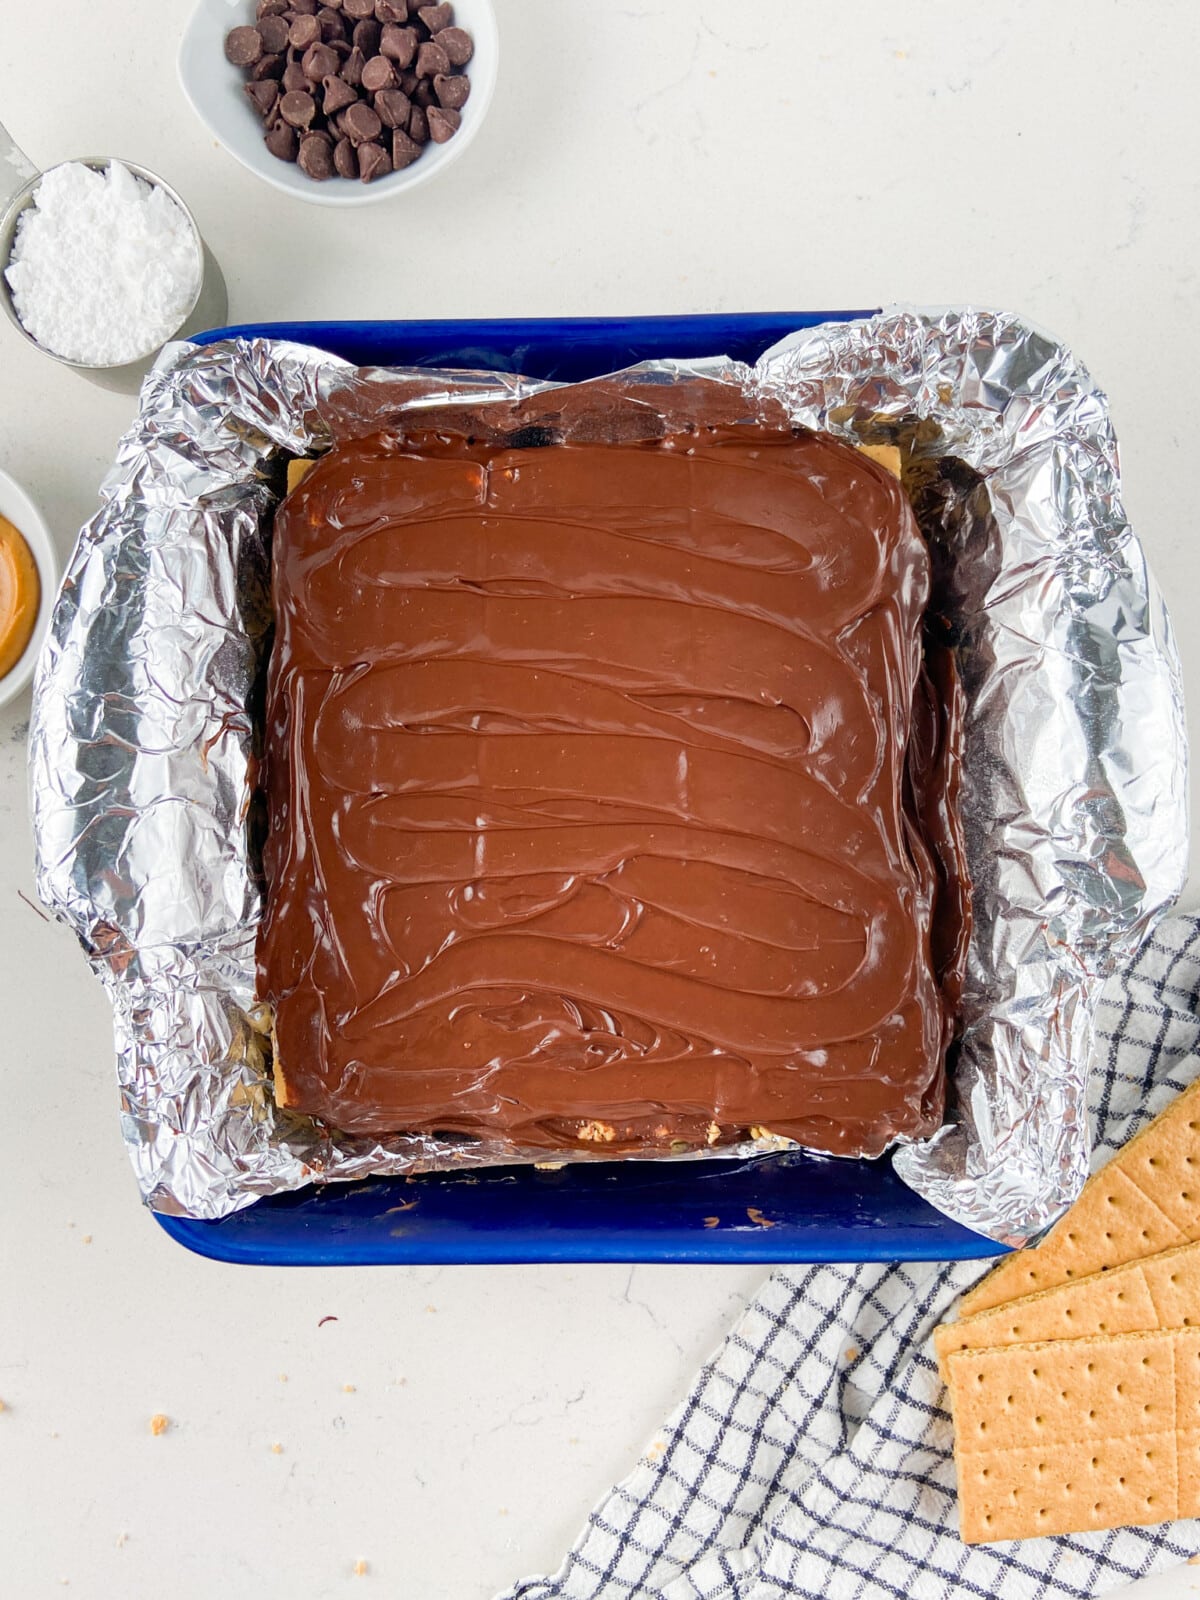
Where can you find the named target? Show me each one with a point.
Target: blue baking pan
(788, 1207)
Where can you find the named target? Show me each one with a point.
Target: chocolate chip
(282, 142)
(243, 46)
(263, 96)
(304, 31)
(436, 18)
(423, 94)
(418, 125)
(352, 67)
(298, 108)
(399, 44)
(319, 62)
(378, 74)
(393, 106)
(344, 159)
(338, 94)
(359, 9)
(316, 156)
(391, 10)
(373, 162)
(333, 25)
(366, 36)
(293, 76)
(302, 8)
(443, 124)
(431, 59)
(409, 82)
(361, 123)
(343, 48)
(452, 92)
(458, 45)
(270, 8)
(267, 67)
(404, 150)
(273, 31)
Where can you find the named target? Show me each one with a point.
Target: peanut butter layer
(599, 815)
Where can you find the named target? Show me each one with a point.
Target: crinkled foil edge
(143, 741)
(1075, 781)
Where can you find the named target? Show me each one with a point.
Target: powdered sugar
(104, 267)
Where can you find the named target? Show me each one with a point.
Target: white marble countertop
(452, 1427)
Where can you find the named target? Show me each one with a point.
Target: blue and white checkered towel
(813, 1455)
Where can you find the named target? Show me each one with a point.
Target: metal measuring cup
(19, 179)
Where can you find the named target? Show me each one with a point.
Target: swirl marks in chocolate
(586, 772)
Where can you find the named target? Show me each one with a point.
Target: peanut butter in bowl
(29, 569)
(20, 596)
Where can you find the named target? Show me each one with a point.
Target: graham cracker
(1077, 1435)
(887, 455)
(298, 469)
(1162, 1291)
(1146, 1200)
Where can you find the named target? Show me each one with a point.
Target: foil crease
(143, 739)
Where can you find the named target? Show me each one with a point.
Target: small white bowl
(215, 90)
(25, 517)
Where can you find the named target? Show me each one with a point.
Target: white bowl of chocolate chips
(341, 102)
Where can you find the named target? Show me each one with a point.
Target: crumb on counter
(361, 1568)
(159, 1423)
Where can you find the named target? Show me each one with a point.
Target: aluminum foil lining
(142, 740)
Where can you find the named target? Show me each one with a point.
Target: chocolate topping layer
(595, 819)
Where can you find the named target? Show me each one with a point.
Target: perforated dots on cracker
(1076, 1435)
(1146, 1200)
(1161, 1292)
